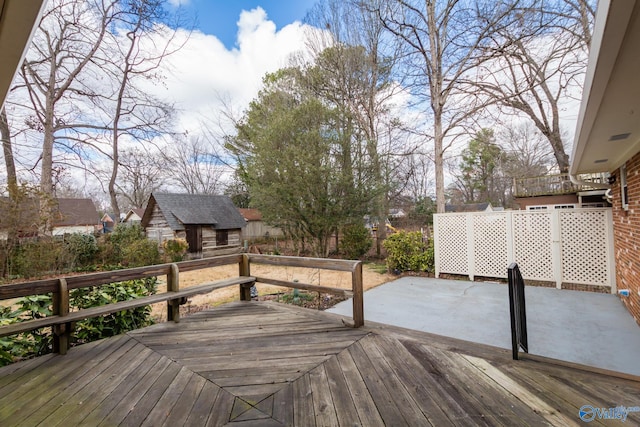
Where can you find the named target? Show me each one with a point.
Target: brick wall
(626, 230)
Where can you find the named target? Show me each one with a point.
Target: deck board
(91, 389)
(390, 413)
(265, 364)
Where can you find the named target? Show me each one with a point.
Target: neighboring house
(556, 191)
(69, 216)
(108, 222)
(206, 222)
(134, 216)
(256, 228)
(469, 207)
(397, 213)
(75, 216)
(608, 133)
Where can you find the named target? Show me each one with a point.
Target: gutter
(574, 180)
(598, 185)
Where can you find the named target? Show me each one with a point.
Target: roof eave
(611, 34)
(18, 22)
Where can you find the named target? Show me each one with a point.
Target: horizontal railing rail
(548, 185)
(354, 267)
(63, 319)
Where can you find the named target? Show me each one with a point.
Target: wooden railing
(63, 319)
(554, 184)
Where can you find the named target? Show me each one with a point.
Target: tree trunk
(439, 160)
(558, 151)
(9, 162)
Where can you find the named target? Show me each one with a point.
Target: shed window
(222, 237)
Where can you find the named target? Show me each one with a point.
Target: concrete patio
(581, 327)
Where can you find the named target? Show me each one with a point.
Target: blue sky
(220, 17)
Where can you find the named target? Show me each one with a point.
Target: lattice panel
(584, 247)
(490, 245)
(452, 244)
(583, 252)
(532, 244)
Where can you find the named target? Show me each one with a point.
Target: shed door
(194, 238)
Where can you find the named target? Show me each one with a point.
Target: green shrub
(81, 249)
(140, 253)
(406, 251)
(28, 344)
(356, 241)
(40, 341)
(37, 257)
(174, 249)
(128, 246)
(115, 323)
(125, 234)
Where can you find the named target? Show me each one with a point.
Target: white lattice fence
(454, 230)
(490, 245)
(585, 245)
(570, 246)
(532, 244)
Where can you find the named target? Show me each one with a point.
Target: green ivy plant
(38, 342)
(115, 323)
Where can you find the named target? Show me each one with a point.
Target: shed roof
(191, 209)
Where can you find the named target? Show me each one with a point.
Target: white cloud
(178, 3)
(204, 71)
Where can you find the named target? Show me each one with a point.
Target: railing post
(358, 297)
(61, 332)
(517, 311)
(245, 270)
(173, 285)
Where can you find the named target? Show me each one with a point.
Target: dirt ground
(313, 276)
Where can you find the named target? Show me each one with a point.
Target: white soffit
(608, 131)
(18, 20)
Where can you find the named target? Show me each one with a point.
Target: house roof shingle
(470, 207)
(134, 211)
(251, 214)
(76, 212)
(190, 209)
(66, 212)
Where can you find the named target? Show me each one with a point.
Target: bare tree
(441, 41)
(7, 149)
(418, 176)
(531, 66)
(85, 77)
(140, 42)
(195, 165)
(527, 150)
(142, 173)
(63, 47)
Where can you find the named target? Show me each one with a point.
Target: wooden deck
(266, 364)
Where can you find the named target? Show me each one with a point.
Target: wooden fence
(62, 319)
